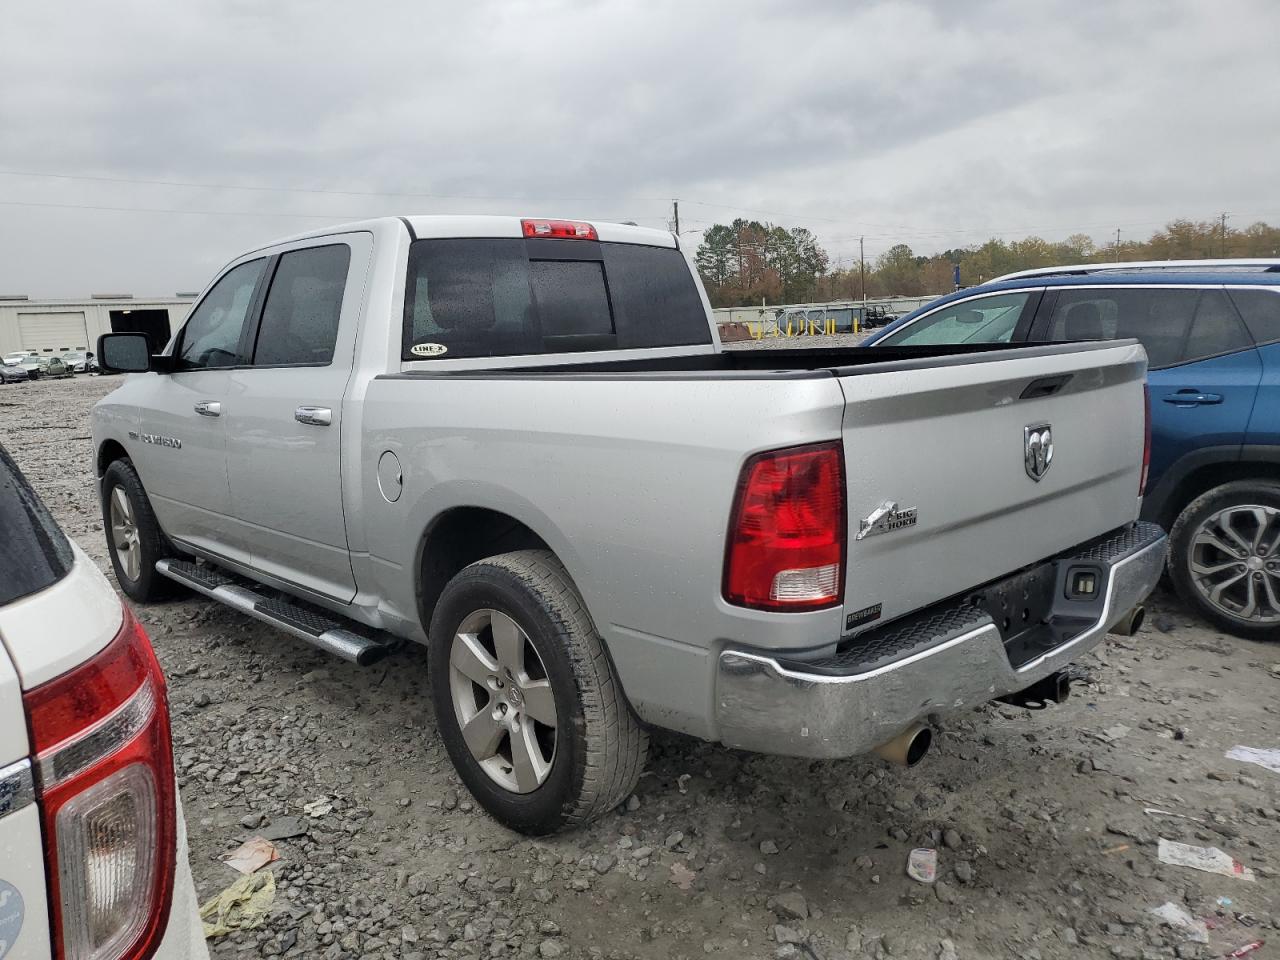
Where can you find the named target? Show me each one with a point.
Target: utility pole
(1117, 244)
(675, 210)
(862, 260)
(1224, 233)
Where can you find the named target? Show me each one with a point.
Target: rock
(947, 950)
(768, 847)
(944, 891)
(1068, 936)
(549, 949)
(951, 839)
(964, 871)
(853, 941)
(864, 862)
(1163, 624)
(783, 934)
(251, 820)
(202, 699)
(789, 906)
(673, 839)
(282, 828)
(408, 934)
(450, 800)
(789, 951)
(633, 803)
(604, 864)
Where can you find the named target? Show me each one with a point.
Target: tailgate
(948, 439)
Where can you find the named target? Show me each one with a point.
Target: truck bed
(785, 362)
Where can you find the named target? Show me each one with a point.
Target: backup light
(559, 229)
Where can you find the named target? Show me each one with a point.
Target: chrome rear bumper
(770, 705)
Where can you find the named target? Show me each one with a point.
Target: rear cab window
(511, 297)
(36, 553)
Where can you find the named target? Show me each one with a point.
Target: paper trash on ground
(1208, 859)
(252, 855)
(1178, 918)
(1259, 755)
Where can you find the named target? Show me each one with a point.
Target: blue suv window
(1174, 325)
(1261, 312)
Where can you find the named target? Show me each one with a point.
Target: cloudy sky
(143, 144)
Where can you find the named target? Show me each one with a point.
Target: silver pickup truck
(519, 443)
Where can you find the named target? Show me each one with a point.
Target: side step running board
(293, 618)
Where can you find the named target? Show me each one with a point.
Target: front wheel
(134, 538)
(1224, 557)
(525, 696)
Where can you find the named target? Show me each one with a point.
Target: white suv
(93, 851)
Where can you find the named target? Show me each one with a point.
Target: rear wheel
(1225, 557)
(134, 538)
(525, 696)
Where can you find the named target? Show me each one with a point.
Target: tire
(599, 746)
(140, 581)
(1206, 560)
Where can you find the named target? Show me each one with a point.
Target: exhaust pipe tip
(907, 748)
(1131, 622)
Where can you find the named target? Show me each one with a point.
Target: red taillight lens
(787, 532)
(1146, 439)
(559, 229)
(107, 800)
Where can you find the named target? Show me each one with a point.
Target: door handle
(1192, 398)
(209, 408)
(316, 416)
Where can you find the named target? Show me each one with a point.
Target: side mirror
(124, 353)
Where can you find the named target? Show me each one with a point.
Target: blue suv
(1212, 334)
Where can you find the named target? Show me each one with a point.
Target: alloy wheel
(503, 701)
(124, 534)
(1235, 565)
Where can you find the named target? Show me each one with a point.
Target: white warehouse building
(52, 327)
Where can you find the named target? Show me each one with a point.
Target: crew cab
(518, 442)
(93, 849)
(1211, 329)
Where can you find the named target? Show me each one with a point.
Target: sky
(143, 145)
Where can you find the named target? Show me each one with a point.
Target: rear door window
(506, 297)
(979, 320)
(300, 317)
(1173, 325)
(1215, 329)
(1261, 312)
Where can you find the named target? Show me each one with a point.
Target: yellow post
(830, 326)
(757, 332)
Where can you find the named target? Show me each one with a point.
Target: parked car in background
(1212, 334)
(519, 443)
(13, 373)
(15, 356)
(93, 848)
(80, 361)
(38, 365)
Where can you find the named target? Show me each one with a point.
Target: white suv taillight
(107, 799)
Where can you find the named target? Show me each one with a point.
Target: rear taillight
(107, 800)
(559, 229)
(787, 531)
(1146, 440)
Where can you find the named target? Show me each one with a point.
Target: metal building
(56, 326)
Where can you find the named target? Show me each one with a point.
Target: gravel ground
(1046, 847)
